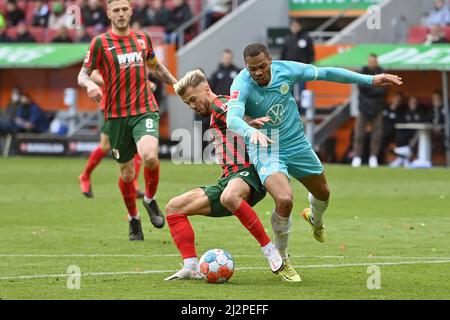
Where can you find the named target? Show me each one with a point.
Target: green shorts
(250, 176)
(124, 133)
(104, 128)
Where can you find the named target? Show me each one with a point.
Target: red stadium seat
(11, 32)
(39, 33)
(417, 34)
(447, 33)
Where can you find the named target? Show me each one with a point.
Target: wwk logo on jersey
(127, 59)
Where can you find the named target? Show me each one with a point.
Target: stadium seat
(39, 33)
(417, 34)
(447, 33)
(11, 32)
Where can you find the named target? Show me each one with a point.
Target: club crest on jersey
(284, 88)
(142, 43)
(276, 114)
(235, 95)
(130, 58)
(116, 154)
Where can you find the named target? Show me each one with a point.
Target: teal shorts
(298, 165)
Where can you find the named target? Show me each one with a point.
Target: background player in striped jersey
(264, 88)
(102, 150)
(237, 190)
(122, 56)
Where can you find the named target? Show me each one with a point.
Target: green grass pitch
(395, 219)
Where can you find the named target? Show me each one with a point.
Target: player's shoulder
(220, 104)
(243, 79)
(286, 65)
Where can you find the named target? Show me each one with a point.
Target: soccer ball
(216, 266)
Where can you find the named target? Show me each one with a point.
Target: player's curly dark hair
(254, 49)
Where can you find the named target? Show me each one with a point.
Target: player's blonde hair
(111, 1)
(191, 79)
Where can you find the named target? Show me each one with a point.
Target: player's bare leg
(279, 188)
(95, 158)
(126, 187)
(194, 202)
(318, 197)
(234, 199)
(147, 148)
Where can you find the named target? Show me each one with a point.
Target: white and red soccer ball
(216, 266)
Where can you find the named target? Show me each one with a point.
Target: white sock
(281, 227)
(318, 208)
(147, 200)
(191, 264)
(268, 247)
(135, 217)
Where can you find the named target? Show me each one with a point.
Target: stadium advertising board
(329, 7)
(394, 57)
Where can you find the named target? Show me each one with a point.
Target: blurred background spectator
(371, 103)
(81, 36)
(215, 10)
(158, 14)
(29, 117)
(41, 14)
(435, 35)
(391, 116)
(13, 13)
(62, 36)
(58, 17)
(3, 36)
(440, 14)
(438, 120)
(406, 139)
(180, 13)
(8, 114)
(298, 46)
(140, 13)
(94, 14)
(23, 35)
(222, 78)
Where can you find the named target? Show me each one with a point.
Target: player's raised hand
(94, 92)
(386, 79)
(258, 138)
(258, 122)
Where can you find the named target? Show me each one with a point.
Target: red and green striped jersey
(230, 147)
(121, 60)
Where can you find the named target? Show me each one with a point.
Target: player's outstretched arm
(342, 75)
(161, 72)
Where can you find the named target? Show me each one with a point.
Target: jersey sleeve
(149, 48)
(309, 72)
(93, 56)
(239, 92)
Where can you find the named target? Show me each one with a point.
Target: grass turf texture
(396, 219)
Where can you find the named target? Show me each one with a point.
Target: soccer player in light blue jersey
(280, 149)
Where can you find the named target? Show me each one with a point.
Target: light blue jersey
(291, 153)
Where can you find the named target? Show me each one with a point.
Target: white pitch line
(96, 255)
(37, 276)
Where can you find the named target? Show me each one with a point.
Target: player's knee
(230, 200)
(127, 175)
(150, 160)
(173, 206)
(284, 202)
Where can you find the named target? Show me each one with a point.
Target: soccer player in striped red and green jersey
(237, 190)
(123, 57)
